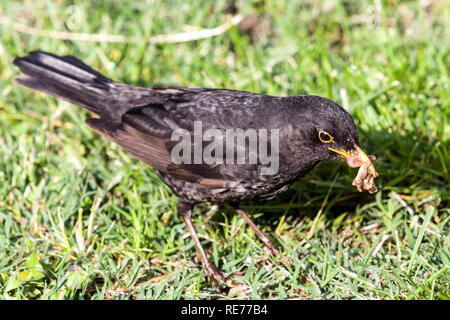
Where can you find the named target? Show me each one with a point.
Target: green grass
(80, 219)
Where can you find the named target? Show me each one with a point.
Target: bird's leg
(269, 245)
(185, 211)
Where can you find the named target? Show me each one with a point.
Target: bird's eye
(325, 137)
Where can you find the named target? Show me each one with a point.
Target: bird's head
(327, 131)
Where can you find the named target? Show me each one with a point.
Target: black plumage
(142, 120)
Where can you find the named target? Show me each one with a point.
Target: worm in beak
(356, 157)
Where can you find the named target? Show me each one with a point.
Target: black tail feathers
(64, 77)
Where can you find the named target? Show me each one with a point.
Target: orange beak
(356, 158)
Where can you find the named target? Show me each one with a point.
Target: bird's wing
(149, 149)
(146, 131)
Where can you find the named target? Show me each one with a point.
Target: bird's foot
(217, 277)
(287, 259)
(270, 248)
(275, 252)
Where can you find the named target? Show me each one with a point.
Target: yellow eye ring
(325, 137)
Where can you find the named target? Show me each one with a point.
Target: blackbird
(207, 145)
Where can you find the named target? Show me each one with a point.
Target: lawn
(80, 219)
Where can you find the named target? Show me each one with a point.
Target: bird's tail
(64, 77)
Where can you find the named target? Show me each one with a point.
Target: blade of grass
(428, 215)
